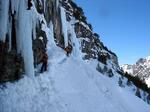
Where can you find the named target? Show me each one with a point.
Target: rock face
(50, 13)
(140, 69)
(11, 63)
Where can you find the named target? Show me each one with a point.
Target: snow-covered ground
(69, 85)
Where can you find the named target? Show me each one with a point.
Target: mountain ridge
(140, 69)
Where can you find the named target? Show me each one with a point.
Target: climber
(29, 4)
(42, 44)
(44, 62)
(68, 49)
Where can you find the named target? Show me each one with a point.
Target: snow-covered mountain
(84, 81)
(127, 68)
(140, 69)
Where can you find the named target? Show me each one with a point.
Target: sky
(123, 26)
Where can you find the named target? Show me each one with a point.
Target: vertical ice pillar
(24, 37)
(57, 3)
(64, 26)
(76, 52)
(52, 34)
(4, 9)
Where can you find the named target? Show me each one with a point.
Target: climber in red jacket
(68, 49)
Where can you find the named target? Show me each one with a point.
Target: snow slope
(69, 85)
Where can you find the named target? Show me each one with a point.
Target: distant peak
(148, 58)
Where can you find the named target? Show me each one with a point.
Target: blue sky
(123, 26)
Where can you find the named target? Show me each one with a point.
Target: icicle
(64, 26)
(57, 3)
(34, 23)
(76, 53)
(9, 34)
(52, 33)
(44, 5)
(34, 29)
(14, 5)
(24, 37)
(4, 9)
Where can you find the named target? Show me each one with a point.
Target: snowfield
(69, 85)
